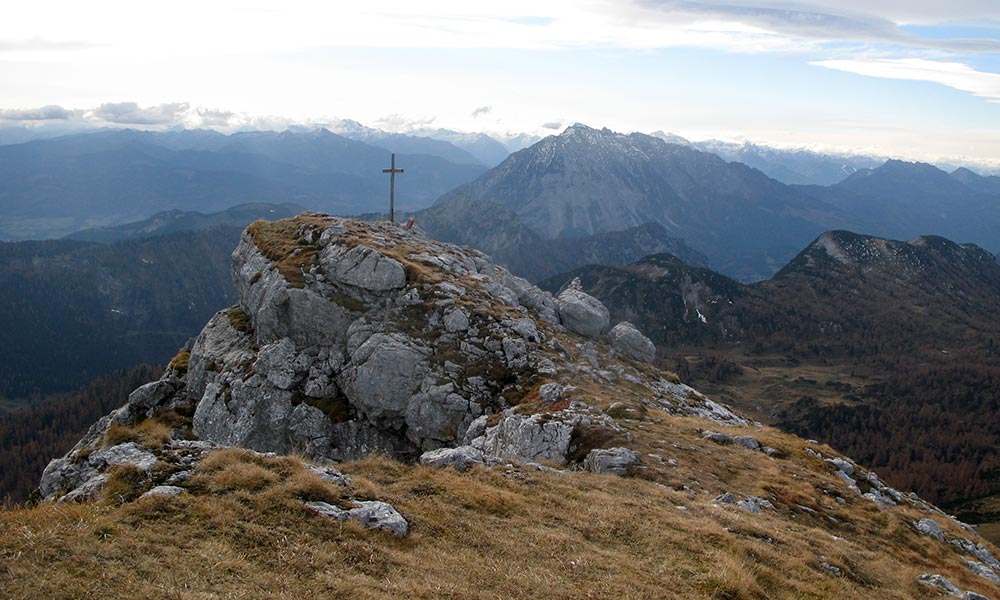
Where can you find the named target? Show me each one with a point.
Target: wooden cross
(392, 170)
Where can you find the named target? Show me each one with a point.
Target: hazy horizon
(913, 80)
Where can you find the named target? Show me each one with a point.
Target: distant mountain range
(175, 221)
(902, 200)
(54, 187)
(798, 166)
(587, 181)
(883, 348)
(571, 186)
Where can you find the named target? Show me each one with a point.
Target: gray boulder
(163, 490)
(614, 461)
(130, 453)
(460, 459)
(531, 297)
(277, 363)
(582, 313)
(330, 474)
(628, 340)
(370, 513)
(551, 392)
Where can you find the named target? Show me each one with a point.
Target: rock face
(352, 337)
(582, 313)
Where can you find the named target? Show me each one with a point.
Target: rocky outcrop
(351, 338)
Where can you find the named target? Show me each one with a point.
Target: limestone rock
(370, 513)
(277, 363)
(456, 320)
(746, 441)
(382, 375)
(438, 416)
(363, 267)
(460, 458)
(983, 571)
(551, 392)
(939, 583)
(842, 465)
(529, 439)
(614, 461)
(628, 340)
(582, 313)
(251, 414)
(330, 474)
(930, 527)
(163, 490)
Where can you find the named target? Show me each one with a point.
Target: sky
(914, 79)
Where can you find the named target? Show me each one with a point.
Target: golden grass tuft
(179, 362)
(150, 433)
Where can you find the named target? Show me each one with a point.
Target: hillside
(884, 349)
(496, 230)
(75, 311)
(527, 451)
(175, 221)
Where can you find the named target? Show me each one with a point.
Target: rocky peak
(353, 337)
(924, 256)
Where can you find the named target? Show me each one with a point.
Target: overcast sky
(911, 78)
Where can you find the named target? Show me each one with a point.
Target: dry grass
(241, 532)
(282, 242)
(179, 362)
(150, 433)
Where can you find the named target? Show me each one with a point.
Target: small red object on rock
(410, 222)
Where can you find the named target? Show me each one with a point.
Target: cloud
(44, 113)
(402, 123)
(482, 110)
(129, 113)
(37, 44)
(552, 125)
(817, 21)
(955, 75)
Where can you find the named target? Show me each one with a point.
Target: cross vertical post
(392, 170)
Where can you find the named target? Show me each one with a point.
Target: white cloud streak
(955, 75)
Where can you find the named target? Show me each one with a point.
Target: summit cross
(392, 170)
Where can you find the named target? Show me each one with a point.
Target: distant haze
(915, 80)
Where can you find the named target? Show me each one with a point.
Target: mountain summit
(586, 181)
(554, 459)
